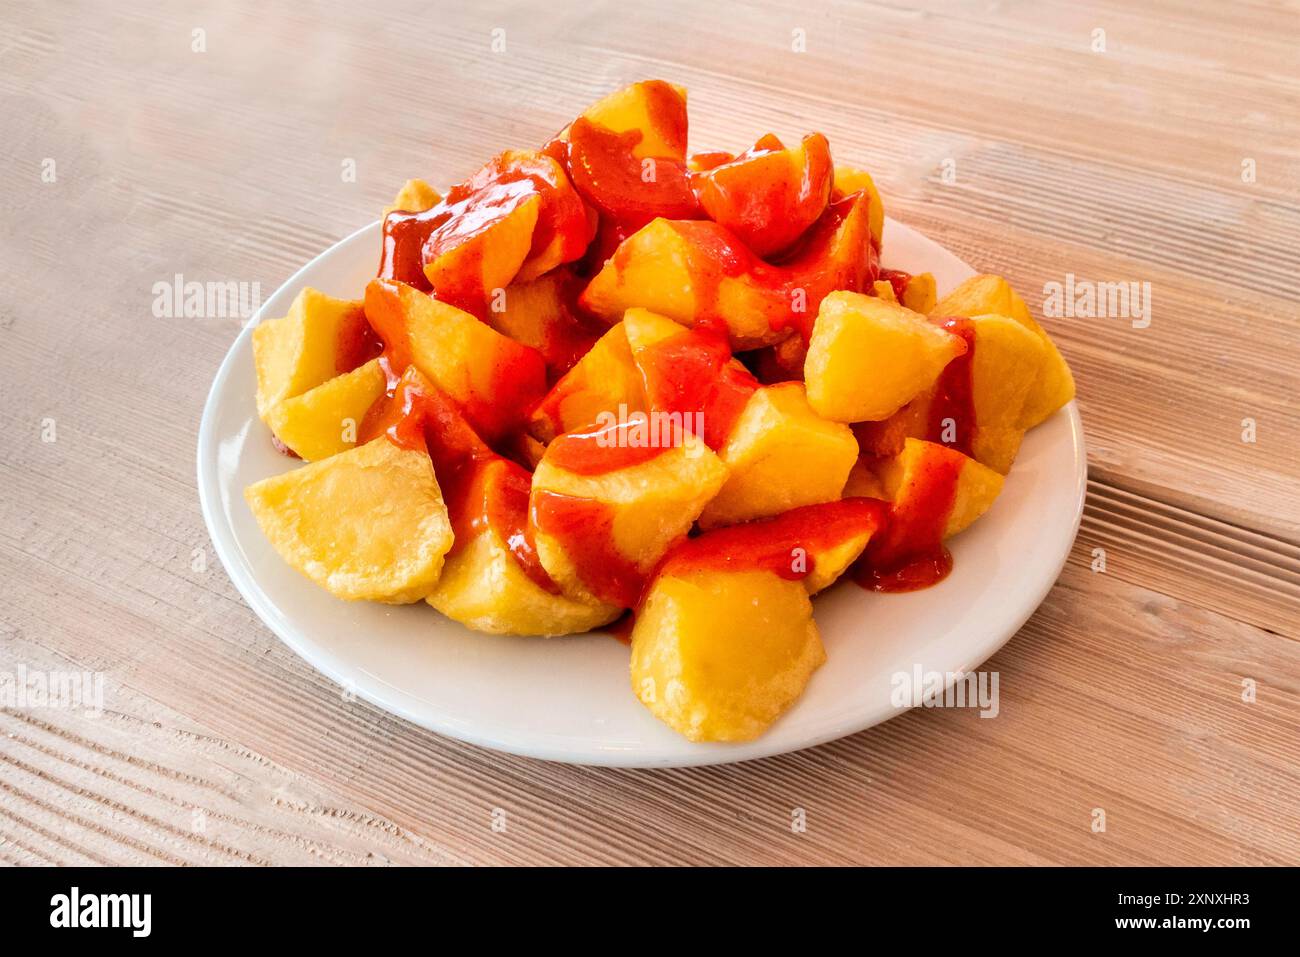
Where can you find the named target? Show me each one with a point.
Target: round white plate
(570, 699)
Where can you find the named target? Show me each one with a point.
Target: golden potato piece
(324, 420)
(719, 655)
(368, 523)
(850, 180)
(299, 351)
(602, 381)
(415, 196)
(493, 580)
(813, 543)
(829, 564)
(781, 455)
(869, 357)
(491, 378)
(919, 293)
(645, 329)
(484, 588)
(986, 294)
(976, 406)
(601, 530)
(1003, 372)
(483, 254)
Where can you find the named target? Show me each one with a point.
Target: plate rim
(327, 663)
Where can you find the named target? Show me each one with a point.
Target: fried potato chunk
(849, 180)
(719, 655)
(368, 523)
(490, 377)
(601, 530)
(415, 196)
(603, 380)
(299, 351)
(780, 455)
(986, 294)
(485, 585)
(869, 357)
(907, 476)
(323, 421)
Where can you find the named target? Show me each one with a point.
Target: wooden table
(1118, 144)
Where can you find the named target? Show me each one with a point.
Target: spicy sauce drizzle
(909, 554)
(953, 401)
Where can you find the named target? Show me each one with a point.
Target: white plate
(569, 699)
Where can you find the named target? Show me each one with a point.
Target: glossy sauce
(898, 280)
(585, 528)
(909, 554)
(454, 250)
(954, 396)
(612, 178)
(609, 175)
(785, 545)
(768, 195)
(598, 451)
(708, 159)
(692, 375)
(461, 221)
(402, 253)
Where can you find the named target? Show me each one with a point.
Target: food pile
(607, 380)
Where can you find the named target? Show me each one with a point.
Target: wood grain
(1124, 692)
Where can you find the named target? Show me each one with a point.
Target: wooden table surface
(1117, 142)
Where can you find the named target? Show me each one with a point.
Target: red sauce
(454, 250)
(954, 396)
(916, 573)
(585, 529)
(909, 554)
(898, 279)
(692, 375)
(494, 494)
(785, 545)
(708, 159)
(621, 628)
(835, 253)
(627, 189)
(768, 195)
(386, 315)
(402, 255)
(602, 450)
(356, 344)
